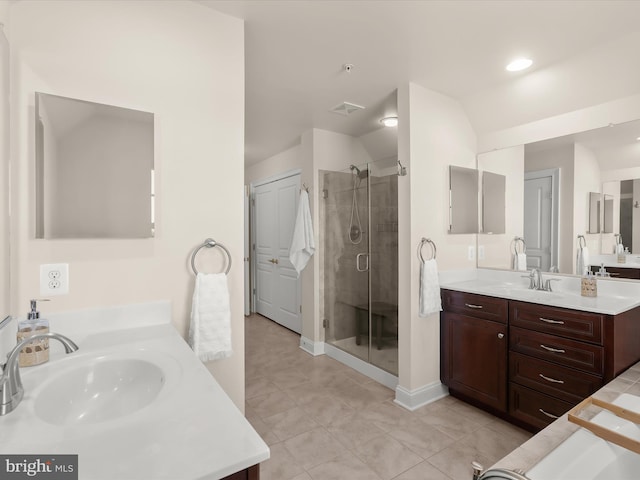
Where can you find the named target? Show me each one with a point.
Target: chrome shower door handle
(366, 265)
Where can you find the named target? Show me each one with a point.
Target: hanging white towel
(520, 261)
(429, 294)
(210, 329)
(302, 244)
(582, 261)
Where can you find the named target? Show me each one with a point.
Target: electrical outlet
(480, 252)
(54, 279)
(471, 253)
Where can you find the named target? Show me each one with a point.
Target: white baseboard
(414, 399)
(371, 371)
(313, 348)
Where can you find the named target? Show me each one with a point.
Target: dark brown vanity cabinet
(474, 347)
(538, 361)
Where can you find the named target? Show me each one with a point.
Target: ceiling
(295, 51)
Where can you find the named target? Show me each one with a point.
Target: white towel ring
(209, 243)
(422, 244)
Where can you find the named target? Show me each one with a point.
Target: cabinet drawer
(564, 383)
(563, 351)
(481, 306)
(535, 408)
(558, 321)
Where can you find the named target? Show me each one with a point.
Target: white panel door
(277, 283)
(537, 221)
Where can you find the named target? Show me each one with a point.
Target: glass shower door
(360, 264)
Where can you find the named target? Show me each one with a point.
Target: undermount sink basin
(104, 389)
(586, 456)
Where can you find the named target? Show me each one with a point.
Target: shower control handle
(366, 265)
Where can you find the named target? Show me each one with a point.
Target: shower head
(360, 173)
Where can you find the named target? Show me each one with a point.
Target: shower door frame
(365, 366)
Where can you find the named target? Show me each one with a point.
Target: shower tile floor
(325, 421)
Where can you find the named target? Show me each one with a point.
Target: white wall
(498, 249)
(4, 161)
(586, 179)
(434, 133)
(183, 62)
(282, 162)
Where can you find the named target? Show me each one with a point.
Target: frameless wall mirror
(594, 212)
(493, 203)
(463, 200)
(94, 170)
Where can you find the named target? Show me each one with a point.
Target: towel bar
(209, 243)
(433, 248)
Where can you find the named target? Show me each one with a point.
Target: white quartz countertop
(191, 431)
(614, 296)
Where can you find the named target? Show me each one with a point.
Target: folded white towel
(210, 329)
(302, 244)
(430, 301)
(520, 262)
(582, 261)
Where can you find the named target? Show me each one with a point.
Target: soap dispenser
(36, 352)
(589, 285)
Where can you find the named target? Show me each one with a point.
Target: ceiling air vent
(346, 108)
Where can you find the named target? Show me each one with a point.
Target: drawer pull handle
(548, 414)
(546, 320)
(552, 380)
(554, 350)
(501, 336)
(471, 305)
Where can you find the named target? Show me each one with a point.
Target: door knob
(274, 261)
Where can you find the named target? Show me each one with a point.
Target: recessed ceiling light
(389, 121)
(519, 64)
(638, 139)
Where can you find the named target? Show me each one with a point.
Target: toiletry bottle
(36, 352)
(589, 285)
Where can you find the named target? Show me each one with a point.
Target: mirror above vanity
(94, 170)
(476, 201)
(579, 184)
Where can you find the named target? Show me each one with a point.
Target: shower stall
(359, 217)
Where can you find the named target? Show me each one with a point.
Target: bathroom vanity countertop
(534, 450)
(614, 296)
(192, 430)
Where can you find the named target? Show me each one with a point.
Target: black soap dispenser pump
(36, 352)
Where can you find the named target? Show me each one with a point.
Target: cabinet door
(474, 358)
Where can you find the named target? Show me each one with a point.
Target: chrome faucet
(539, 283)
(536, 282)
(11, 389)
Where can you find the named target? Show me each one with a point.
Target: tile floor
(325, 421)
